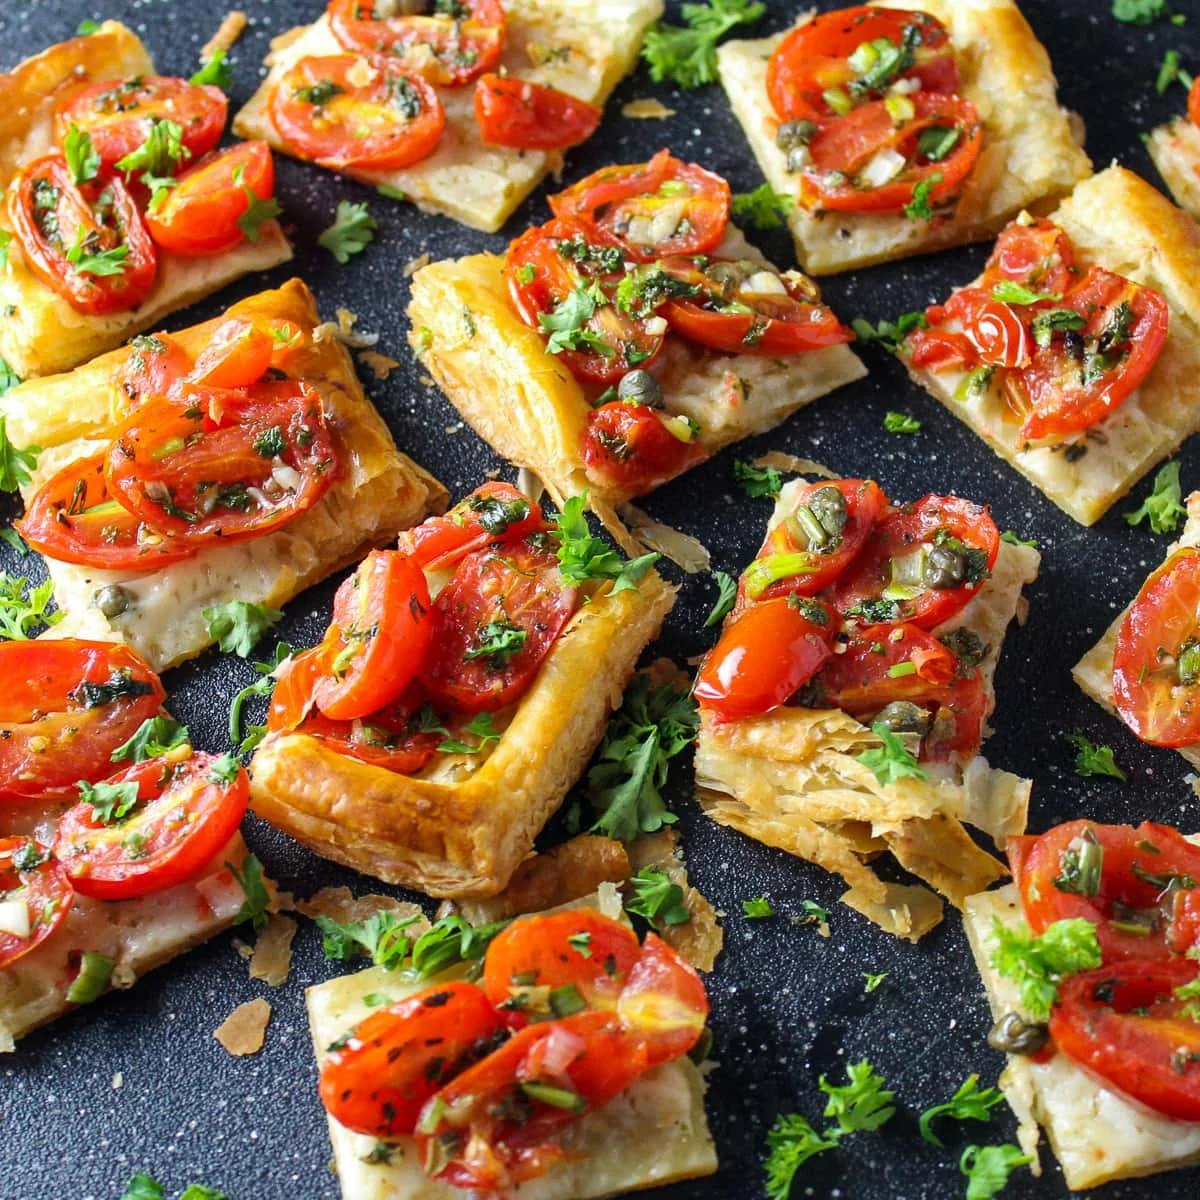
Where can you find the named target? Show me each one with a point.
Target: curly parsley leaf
(238, 625)
(686, 55)
(1092, 759)
(86, 28)
(1015, 539)
(1171, 72)
(258, 209)
(582, 556)
(214, 72)
(987, 1168)
(969, 1103)
(16, 465)
(481, 726)
(898, 422)
(918, 208)
(23, 608)
(892, 761)
(154, 738)
(497, 641)
(381, 937)
(1162, 507)
(353, 229)
(872, 982)
(160, 155)
(1038, 964)
(759, 908)
(255, 897)
(111, 802)
(791, 1142)
(82, 159)
(450, 941)
(764, 208)
(811, 913)
(757, 482)
(726, 595)
(1009, 291)
(141, 1186)
(654, 895)
(87, 260)
(652, 726)
(863, 1103)
(1139, 12)
(567, 325)
(889, 334)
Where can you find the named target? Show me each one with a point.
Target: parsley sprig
(969, 1103)
(246, 737)
(238, 625)
(898, 422)
(764, 208)
(1039, 964)
(1092, 759)
(726, 595)
(155, 737)
(686, 55)
(215, 72)
(16, 465)
(255, 897)
(892, 761)
(1163, 507)
(757, 482)
(581, 556)
(23, 608)
(654, 895)
(353, 229)
(889, 334)
(987, 1168)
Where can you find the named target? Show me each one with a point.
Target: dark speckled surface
(787, 1005)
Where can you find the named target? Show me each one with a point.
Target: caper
(1188, 666)
(112, 599)
(640, 387)
(944, 568)
(727, 276)
(1016, 1036)
(791, 134)
(902, 716)
(828, 505)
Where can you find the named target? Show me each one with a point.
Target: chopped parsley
(898, 422)
(23, 608)
(224, 770)
(889, 334)
(987, 1168)
(969, 1103)
(759, 908)
(1163, 507)
(791, 1142)
(88, 260)
(14, 541)
(656, 897)
(764, 208)
(757, 482)
(480, 726)
(381, 937)
(726, 595)
(1015, 539)
(214, 72)
(238, 625)
(160, 155)
(1039, 964)
(811, 913)
(686, 55)
(450, 941)
(497, 641)
(1009, 291)
(87, 27)
(82, 159)
(16, 465)
(154, 738)
(1092, 759)
(1055, 320)
(353, 229)
(1171, 72)
(582, 556)
(871, 982)
(567, 324)
(255, 897)
(918, 208)
(892, 761)
(1139, 12)
(258, 209)
(111, 802)
(270, 443)
(243, 743)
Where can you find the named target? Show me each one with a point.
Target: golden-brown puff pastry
(1175, 149)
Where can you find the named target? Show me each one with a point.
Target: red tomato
(29, 873)
(842, 149)
(118, 115)
(523, 115)
(379, 637)
(630, 447)
(378, 1078)
(785, 315)
(324, 112)
(550, 263)
(66, 706)
(664, 1005)
(1129, 887)
(199, 216)
(814, 57)
(1194, 104)
(456, 43)
(74, 518)
(650, 209)
(923, 563)
(56, 220)
(154, 363)
(793, 560)
(1155, 687)
(1065, 393)
(576, 948)
(223, 465)
(936, 348)
(996, 331)
(1126, 1023)
(1038, 255)
(494, 624)
(186, 811)
(764, 656)
(862, 680)
(292, 701)
(238, 354)
(492, 513)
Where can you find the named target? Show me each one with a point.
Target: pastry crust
(461, 827)
(1118, 221)
(1029, 155)
(526, 404)
(379, 492)
(1175, 149)
(481, 185)
(41, 332)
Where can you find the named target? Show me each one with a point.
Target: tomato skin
(48, 894)
(523, 115)
(859, 682)
(664, 1004)
(1124, 1023)
(46, 703)
(491, 514)
(936, 348)
(1194, 104)
(994, 329)
(1040, 256)
(118, 115)
(517, 585)
(327, 132)
(379, 637)
(627, 446)
(238, 354)
(100, 860)
(200, 215)
(608, 199)
(763, 657)
(45, 243)
(1147, 691)
(404, 1053)
(449, 51)
(154, 364)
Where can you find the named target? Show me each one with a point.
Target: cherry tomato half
(1194, 104)
(30, 875)
(1038, 255)
(154, 363)
(996, 331)
(494, 512)
(524, 115)
(664, 1005)
(632, 448)
(238, 354)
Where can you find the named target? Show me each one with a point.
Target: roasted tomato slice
(1156, 664)
(1194, 104)
(1134, 1024)
(635, 448)
(1038, 255)
(922, 563)
(238, 354)
(379, 637)
(223, 465)
(764, 657)
(868, 161)
(493, 625)
(561, 284)
(178, 815)
(664, 1005)
(650, 209)
(69, 704)
(825, 526)
(492, 513)
(843, 53)
(376, 1080)
(548, 965)
(73, 517)
(347, 110)
(1078, 377)
(996, 331)
(523, 115)
(744, 307)
(200, 215)
(1131, 883)
(35, 893)
(455, 43)
(87, 241)
(118, 115)
(154, 363)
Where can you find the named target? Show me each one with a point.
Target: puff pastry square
(1175, 149)
(1118, 221)
(461, 825)
(526, 404)
(40, 332)
(379, 492)
(477, 184)
(1029, 153)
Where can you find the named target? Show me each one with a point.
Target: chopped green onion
(556, 1097)
(95, 970)
(814, 531)
(838, 100)
(900, 669)
(763, 572)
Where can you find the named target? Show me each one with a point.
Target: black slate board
(787, 1004)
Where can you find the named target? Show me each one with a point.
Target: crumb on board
(232, 26)
(413, 265)
(245, 1029)
(647, 110)
(271, 960)
(380, 365)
